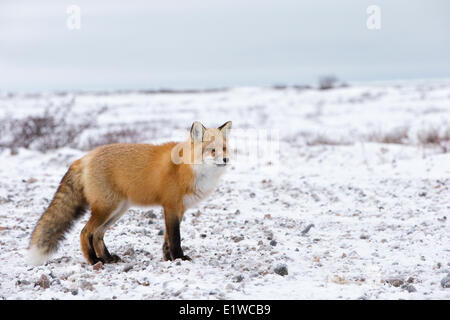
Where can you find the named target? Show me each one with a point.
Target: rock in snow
(445, 282)
(281, 269)
(44, 282)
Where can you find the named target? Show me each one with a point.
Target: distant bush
(396, 136)
(430, 137)
(47, 131)
(319, 139)
(122, 135)
(435, 137)
(328, 82)
(59, 127)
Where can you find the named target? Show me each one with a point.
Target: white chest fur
(206, 177)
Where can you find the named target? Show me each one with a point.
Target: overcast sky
(202, 43)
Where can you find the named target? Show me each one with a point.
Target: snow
(380, 210)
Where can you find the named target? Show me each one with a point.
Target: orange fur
(144, 174)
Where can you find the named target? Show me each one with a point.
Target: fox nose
(225, 160)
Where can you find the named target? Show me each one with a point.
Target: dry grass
(396, 136)
(431, 137)
(321, 139)
(122, 135)
(56, 127)
(435, 137)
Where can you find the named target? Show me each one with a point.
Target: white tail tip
(36, 256)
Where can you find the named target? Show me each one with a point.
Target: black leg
(173, 240)
(93, 259)
(166, 251)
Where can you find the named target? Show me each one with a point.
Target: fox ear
(225, 128)
(197, 131)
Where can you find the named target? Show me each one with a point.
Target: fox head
(205, 146)
(209, 146)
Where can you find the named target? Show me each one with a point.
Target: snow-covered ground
(380, 210)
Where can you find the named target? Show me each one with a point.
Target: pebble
(32, 180)
(129, 252)
(411, 288)
(44, 282)
(98, 266)
(151, 214)
(85, 285)
(306, 230)
(281, 269)
(445, 282)
(22, 282)
(396, 282)
(273, 243)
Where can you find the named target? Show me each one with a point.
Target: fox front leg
(172, 240)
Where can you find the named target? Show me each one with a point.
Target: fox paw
(113, 258)
(168, 257)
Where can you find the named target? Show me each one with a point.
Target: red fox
(111, 178)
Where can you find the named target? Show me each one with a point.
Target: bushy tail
(68, 204)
